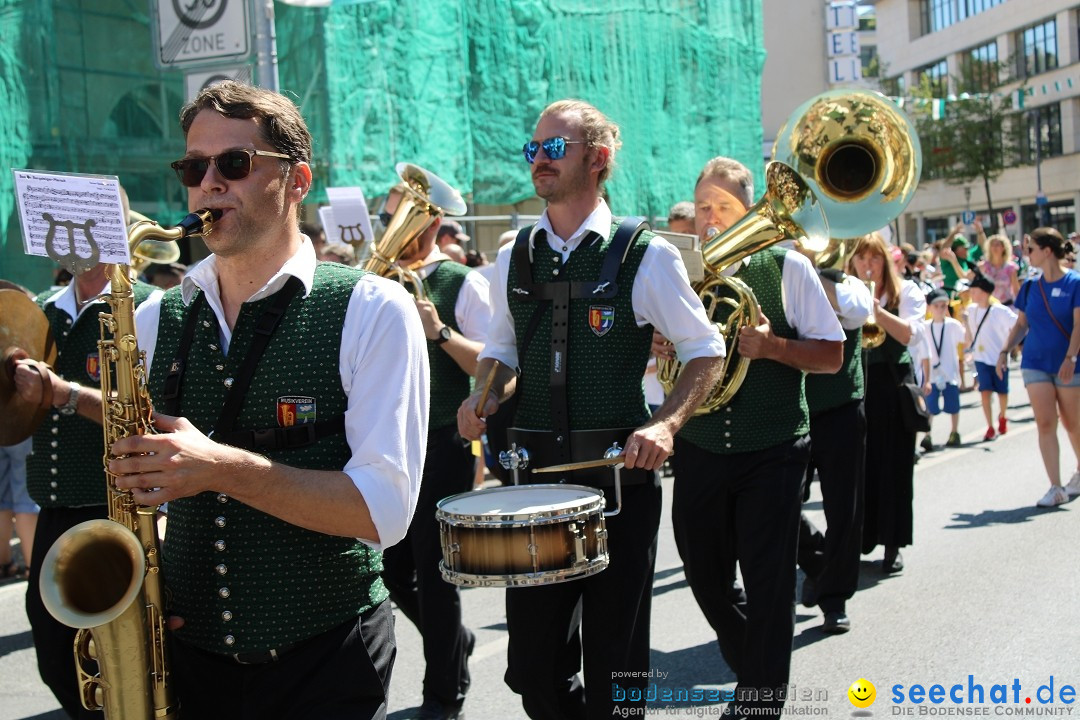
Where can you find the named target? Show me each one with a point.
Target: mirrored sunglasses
(554, 148)
(231, 164)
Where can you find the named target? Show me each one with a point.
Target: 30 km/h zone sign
(198, 32)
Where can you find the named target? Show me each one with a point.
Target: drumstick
(487, 388)
(583, 465)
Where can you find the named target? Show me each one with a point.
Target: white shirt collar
(64, 299)
(598, 221)
(204, 275)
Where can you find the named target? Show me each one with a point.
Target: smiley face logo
(862, 693)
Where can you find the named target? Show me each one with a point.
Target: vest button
(228, 382)
(555, 271)
(224, 592)
(221, 569)
(222, 497)
(54, 444)
(56, 431)
(55, 417)
(219, 545)
(53, 498)
(54, 456)
(53, 484)
(213, 346)
(67, 321)
(206, 323)
(54, 471)
(727, 422)
(727, 444)
(219, 368)
(230, 640)
(226, 616)
(727, 434)
(220, 521)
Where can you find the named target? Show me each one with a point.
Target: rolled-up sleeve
(500, 342)
(662, 296)
(854, 302)
(384, 372)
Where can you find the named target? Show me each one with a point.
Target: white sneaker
(1056, 495)
(1073, 488)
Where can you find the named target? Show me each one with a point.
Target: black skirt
(890, 461)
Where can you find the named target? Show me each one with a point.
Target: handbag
(913, 410)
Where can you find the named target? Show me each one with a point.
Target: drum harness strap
(559, 294)
(274, 438)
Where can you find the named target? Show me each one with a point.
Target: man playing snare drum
(577, 318)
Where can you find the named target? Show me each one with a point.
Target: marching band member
(742, 467)
(890, 445)
(569, 395)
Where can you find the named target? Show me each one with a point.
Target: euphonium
(423, 196)
(787, 211)
(104, 576)
(873, 335)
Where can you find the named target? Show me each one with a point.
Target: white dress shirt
(384, 372)
(912, 306)
(64, 299)
(472, 310)
(854, 302)
(661, 294)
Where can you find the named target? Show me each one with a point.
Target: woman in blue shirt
(1049, 314)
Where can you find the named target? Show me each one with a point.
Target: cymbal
(24, 332)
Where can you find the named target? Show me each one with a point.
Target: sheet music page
(70, 218)
(350, 215)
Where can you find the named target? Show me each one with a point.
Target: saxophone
(104, 576)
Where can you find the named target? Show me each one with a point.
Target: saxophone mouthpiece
(215, 213)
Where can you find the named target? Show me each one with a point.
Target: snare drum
(522, 535)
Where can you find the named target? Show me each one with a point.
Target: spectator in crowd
(316, 234)
(338, 252)
(165, 276)
(955, 265)
(1048, 320)
(946, 334)
(1000, 269)
(455, 252)
(988, 326)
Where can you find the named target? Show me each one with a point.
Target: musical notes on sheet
(77, 220)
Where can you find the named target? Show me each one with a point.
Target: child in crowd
(946, 335)
(988, 326)
(919, 348)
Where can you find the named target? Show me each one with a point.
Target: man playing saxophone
(739, 470)
(280, 495)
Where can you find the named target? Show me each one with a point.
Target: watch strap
(72, 404)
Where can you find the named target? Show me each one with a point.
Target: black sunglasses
(554, 148)
(232, 164)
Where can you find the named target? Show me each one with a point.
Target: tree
(976, 137)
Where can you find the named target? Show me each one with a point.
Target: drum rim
(525, 519)
(544, 577)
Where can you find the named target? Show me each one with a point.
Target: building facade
(1038, 45)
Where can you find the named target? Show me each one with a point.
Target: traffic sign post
(1009, 217)
(198, 81)
(190, 33)
(967, 217)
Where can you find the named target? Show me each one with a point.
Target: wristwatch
(444, 334)
(1071, 358)
(72, 405)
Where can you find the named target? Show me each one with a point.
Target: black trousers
(890, 461)
(838, 453)
(342, 673)
(743, 508)
(53, 640)
(411, 573)
(605, 615)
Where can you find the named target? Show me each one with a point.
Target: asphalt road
(988, 591)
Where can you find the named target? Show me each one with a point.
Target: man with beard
(268, 368)
(574, 301)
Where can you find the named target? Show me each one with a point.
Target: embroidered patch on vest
(295, 410)
(93, 367)
(601, 319)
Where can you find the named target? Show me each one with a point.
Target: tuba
(861, 156)
(424, 196)
(787, 211)
(104, 576)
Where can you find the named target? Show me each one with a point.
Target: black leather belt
(261, 657)
(585, 445)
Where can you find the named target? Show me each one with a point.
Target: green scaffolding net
(455, 86)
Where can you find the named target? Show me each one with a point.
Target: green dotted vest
(607, 351)
(449, 383)
(66, 469)
(770, 406)
(828, 391)
(244, 580)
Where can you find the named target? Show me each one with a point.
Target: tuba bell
(861, 156)
(424, 196)
(787, 211)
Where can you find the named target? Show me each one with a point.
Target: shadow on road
(691, 667)
(986, 518)
(14, 643)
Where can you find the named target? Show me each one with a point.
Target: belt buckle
(256, 658)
